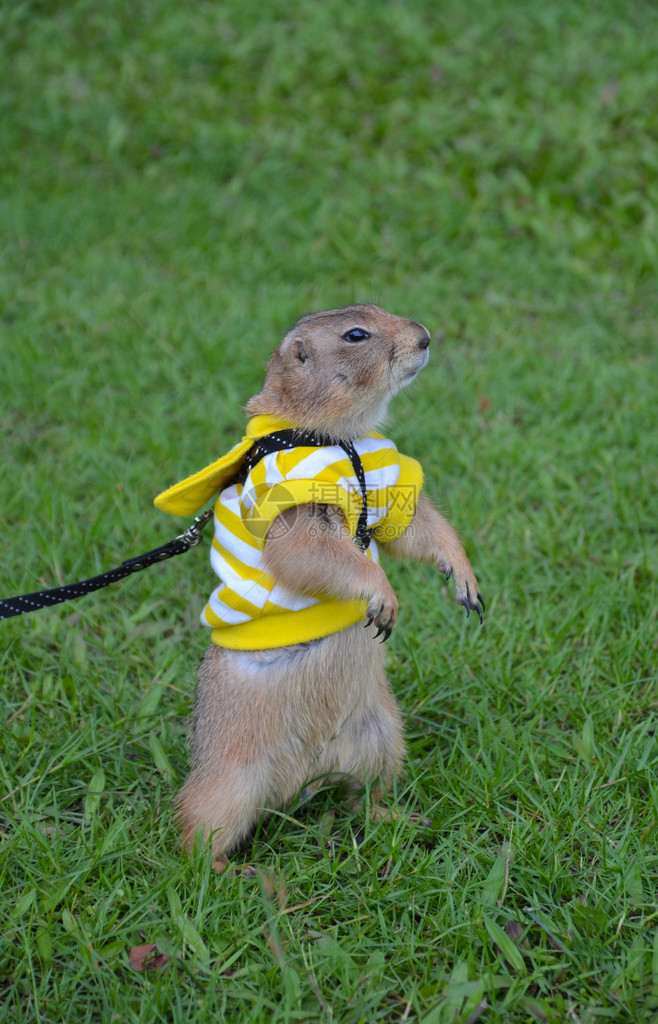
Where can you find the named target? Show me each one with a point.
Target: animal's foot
(380, 813)
(383, 611)
(220, 865)
(466, 588)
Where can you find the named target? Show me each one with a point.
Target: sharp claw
(370, 621)
(481, 600)
(468, 609)
(448, 573)
(479, 611)
(387, 633)
(379, 632)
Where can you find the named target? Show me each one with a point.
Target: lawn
(178, 184)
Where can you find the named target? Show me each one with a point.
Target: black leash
(275, 442)
(363, 535)
(11, 606)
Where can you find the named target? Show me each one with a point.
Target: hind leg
(252, 734)
(378, 750)
(220, 808)
(368, 749)
(237, 731)
(383, 733)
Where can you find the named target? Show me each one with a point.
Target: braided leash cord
(282, 439)
(363, 535)
(23, 603)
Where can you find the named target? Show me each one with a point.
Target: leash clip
(192, 535)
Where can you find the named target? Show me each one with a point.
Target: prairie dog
(293, 690)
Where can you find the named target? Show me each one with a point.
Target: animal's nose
(424, 340)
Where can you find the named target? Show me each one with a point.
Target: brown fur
(270, 723)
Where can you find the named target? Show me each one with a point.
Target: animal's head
(336, 371)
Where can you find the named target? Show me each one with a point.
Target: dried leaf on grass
(147, 957)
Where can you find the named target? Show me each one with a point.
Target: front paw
(383, 611)
(466, 589)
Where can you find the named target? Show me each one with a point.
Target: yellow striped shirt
(249, 610)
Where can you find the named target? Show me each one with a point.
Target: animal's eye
(356, 334)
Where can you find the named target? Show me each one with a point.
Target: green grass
(178, 184)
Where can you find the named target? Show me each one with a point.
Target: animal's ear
(294, 350)
(299, 350)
